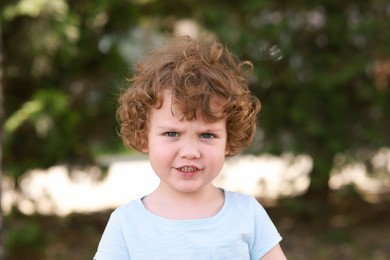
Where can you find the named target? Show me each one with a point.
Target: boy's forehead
(181, 108)
(168, 96)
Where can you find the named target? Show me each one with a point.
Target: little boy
(188, 108)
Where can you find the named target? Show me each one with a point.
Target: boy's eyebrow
(203, 130)
(167, 127)
(212, 129)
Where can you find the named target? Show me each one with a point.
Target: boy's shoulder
(239, 196)
(240, 199)
(130, 207)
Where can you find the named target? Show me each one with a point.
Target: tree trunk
(315, 203)
(319, 186)
(2, 246)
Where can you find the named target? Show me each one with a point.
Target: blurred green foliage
(317, 72)
(26, 238)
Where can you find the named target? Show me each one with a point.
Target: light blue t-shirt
(240, 230)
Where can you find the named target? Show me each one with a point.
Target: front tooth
(187, 169)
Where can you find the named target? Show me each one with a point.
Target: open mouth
(188, 169)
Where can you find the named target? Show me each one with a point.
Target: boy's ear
(145, 148)
(227, 150)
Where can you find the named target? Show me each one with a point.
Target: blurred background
(320, 162)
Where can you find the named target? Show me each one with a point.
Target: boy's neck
(178, 205)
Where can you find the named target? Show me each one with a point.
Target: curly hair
(196, 73)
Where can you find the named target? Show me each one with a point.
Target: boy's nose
(189, 150)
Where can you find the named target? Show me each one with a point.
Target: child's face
(186, 155)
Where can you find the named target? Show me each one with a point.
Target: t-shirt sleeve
(266, 236)
(112, 244)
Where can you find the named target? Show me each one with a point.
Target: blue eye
(207, 136)
(171, 134)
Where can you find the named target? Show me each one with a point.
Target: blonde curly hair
(196, 73)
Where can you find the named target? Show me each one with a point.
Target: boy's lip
(188, 171)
